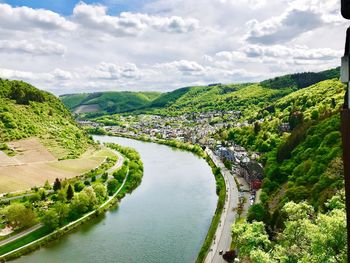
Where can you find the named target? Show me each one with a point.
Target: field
(87, 108)
(33, 165)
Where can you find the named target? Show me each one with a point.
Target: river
(165, 219)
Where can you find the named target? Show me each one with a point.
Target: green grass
(24, 240)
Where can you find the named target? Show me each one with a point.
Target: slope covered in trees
(110, 102)
(28, 112)
(300, 80)
(299, 137)
(244, 97)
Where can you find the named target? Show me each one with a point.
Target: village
(194, 128)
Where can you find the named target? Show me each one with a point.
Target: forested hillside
(244, 97)
(28, 112)
(109, 102)
(299, 136)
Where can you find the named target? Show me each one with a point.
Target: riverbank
(221, 189)
(126, 186)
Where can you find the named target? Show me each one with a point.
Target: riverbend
(164, 220)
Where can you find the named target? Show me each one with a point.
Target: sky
(159, 45)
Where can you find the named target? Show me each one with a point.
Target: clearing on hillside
(87, 108)
(33, 165)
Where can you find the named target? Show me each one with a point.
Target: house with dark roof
(253, 173)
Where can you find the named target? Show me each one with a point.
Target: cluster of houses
(196, 128)
(89, 123)
(245, 164)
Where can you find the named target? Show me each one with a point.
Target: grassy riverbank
(221, 192)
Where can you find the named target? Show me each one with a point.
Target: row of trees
(135, 167)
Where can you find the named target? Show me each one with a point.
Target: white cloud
(56, 74)
(252, 4)
(113, 71)
(61, 74)
(283, 28)
(129, 24)
(184, 66)
(22, 18)
(35, 47)
(298, 52)
(299, 17)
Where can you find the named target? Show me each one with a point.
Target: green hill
(300, 80)
(302, 198)
(304, 163)
(28, 112)
(108, 102)
(235, 97)
(244, 97)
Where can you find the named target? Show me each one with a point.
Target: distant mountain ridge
(198, 98)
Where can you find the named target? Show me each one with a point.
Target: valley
(273, 143)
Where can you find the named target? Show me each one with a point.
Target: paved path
(222, 239)
(21, 234)
(117, 165)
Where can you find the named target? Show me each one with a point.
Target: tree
(100, 191)
(112, 186)
(104, 177)
(89, 191)
(258, 213)
(257, 127)
(57, 185)
(19, 216)
(61, 195)
(120, 174)
(70, 192)
(78, 186)
(295, 119)
(80, 204)
(42, 194)
(47, 185)
(250, 237)
(62, 211)
(34, 198)
(51, 219)
(306, 237)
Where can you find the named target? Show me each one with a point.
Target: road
(222, 239)
(21, 234)
(117, 165)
